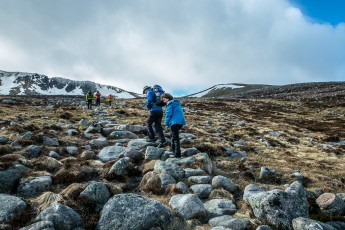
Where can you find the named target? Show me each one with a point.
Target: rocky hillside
(247, 164)
(318, 91)
(17, 83)
(221, 90)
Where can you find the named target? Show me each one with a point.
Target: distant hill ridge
(19, 83)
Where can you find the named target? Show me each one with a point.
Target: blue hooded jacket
(150, 102)
(174, 114)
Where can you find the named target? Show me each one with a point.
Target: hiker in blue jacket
(174, 119)
(155, 117)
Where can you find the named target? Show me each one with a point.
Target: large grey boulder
(110, 153)
(107, 131)
(63, 217)
(132, 154)
(47, 141)
(140, 144)
(132, 128)
(96, 193)
(134, 212)
(189, 151)
(123, 135)
(224, 182)
(201, 190)
(84, 123)
(34, 187)
(188, 206)
(182, 188)
(94, 129)
(153, 153)
(220, 207)
(173, 169)
(199, 179)
(72, 150)
(25, 135)
(250, 190)
(230, 222)
(188, 172)
(33, 151)
(220, 220)
(11, 208)
(182, 161)
(120, 167)
(99, 142)
(278, 207)
(301, 223)
(9, 178)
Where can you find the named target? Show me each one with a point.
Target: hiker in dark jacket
(89, 97)
(155, 117)
(174, 119)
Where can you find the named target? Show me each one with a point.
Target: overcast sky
(184, 45)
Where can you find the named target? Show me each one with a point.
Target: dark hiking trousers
(89, 104)
(175, 139)
(156, 118)
(98, 101)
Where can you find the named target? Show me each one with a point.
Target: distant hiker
(155, 116)
(89, 97)
(98, 98)
(174, 119)
(110, 99)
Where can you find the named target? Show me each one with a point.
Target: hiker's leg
(176, 139)
(172, 146)
(149, 122)
(158, 125)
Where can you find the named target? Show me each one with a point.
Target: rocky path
(100, 174)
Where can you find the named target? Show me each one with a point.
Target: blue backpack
(158, 90)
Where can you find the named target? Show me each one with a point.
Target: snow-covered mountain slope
(18, 83)
(225, 89)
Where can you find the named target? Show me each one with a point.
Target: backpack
(158, 90)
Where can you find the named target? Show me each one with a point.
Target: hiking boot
(161, 145)
(150, 139)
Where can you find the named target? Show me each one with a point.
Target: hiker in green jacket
(89, 97)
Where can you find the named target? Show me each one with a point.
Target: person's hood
(174, 102)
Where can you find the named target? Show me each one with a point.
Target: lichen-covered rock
(301, 223)
(120, 167)
(173, 169)
(11, 208)
(123, 135)
(224, 182)
(278, 207)
(139, 144)
(9, 178)
(110, 153)
(153, 153)
(220, 207)
(188, 206)
(34, 187)
(134, 212)
(201, 190)
(63, 217)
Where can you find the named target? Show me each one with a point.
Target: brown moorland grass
(285, 136)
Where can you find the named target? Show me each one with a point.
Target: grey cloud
(179, 44)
